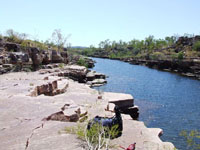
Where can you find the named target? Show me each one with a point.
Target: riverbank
(188, 68)
(22, 121)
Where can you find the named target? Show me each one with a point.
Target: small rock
(46, 78)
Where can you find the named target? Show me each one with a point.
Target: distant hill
(79, 47)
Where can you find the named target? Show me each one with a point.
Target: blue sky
(91, 21)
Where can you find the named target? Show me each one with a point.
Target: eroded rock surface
(22, 124)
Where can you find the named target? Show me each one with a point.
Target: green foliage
(82, 62)
(59, 39)
(96, 138)
(79, 130)
(15, 37)
(156, 55)
(196, 46)
(174, 56)
(180, 55)
(61, 65)
(192, 138)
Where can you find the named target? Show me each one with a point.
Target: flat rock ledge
(23, 119)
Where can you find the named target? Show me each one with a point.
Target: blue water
(167, 101)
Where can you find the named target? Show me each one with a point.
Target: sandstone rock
(72, 115)
(1, 42)
(50, 89)
(7, 65)
(123, 102)
(56, 57)
(90, 76)
(89, 62)
(1, 49)
(19, 57)
(46, 78)
(74, 72)
(99, 76)
(47, 57)
(99, 81)
(36, 56)
(65, 57)
(13, 47)
(24, 124)
(132, 111)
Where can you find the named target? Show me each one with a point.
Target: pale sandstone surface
(21, 115)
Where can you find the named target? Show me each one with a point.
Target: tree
(15, 36)
(59, 39)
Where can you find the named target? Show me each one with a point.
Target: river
(166, 100)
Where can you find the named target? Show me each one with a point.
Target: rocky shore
(37, 106)
(181, 61)
(188, 68)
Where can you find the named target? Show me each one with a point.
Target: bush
(196, 46)
(96, 137)
(82, 62)
(192, 138)
(180, 55)
(61, 65)
(156, 56)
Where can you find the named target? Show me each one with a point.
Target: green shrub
(180, 55)
(192, 138)
(61, 65)
(82, 62)
(196, 46)
(174, 56)
(156, 56)
(95, 138)
(78, 130)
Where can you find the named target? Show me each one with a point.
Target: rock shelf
(22, 123)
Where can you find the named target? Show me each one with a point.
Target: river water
(166, 100)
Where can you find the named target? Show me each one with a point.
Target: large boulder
(47, 57)
(56, 57)
(65, 57)
(12, 47)
(36, 56)
(74, 72)
(1, 42)
(16, 57)
(50, 89)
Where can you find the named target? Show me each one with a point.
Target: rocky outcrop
(12, 47)
(23, 115)
(66, 116)
(74, 60)
(184, 40)
(76, 73)
(56, 57)
(31, 57)
(190, 68)
(95, 79)
(35, 56)
(124, 102)
(49, 89)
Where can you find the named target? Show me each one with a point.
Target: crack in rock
(62, 116)
(33, 131)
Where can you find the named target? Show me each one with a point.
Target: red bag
(130, 147)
